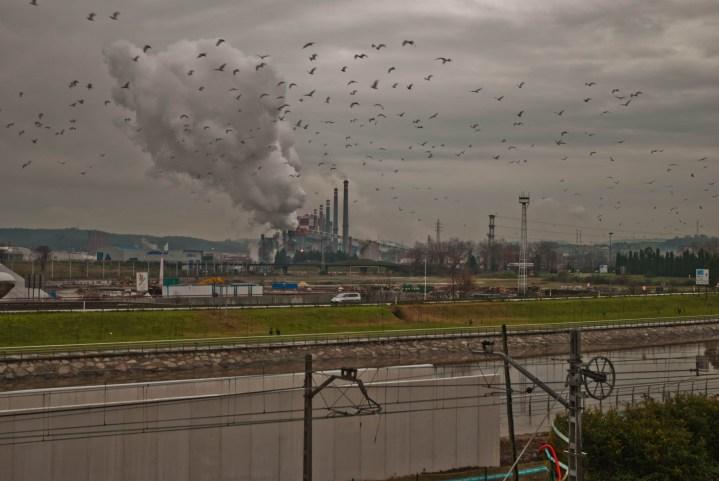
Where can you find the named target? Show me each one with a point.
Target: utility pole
(510, 411)
(598, 377)
(346, 374)
(490, 244)
(425, 276)
(574, 379)
(307, 441)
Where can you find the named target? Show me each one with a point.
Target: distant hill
(84, 239)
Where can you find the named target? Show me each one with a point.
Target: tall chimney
(335, 221)
(321, 220)
(261, 250)
(346, 219)
(328, 219)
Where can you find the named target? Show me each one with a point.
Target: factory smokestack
(321, 221)
(346, 219)
(335, 221)
(328, 220)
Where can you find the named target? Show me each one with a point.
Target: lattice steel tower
(522, 277)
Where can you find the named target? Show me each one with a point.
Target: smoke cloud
(209, 113)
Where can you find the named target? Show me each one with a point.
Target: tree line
(651, 262)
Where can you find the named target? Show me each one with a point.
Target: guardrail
(179, 345)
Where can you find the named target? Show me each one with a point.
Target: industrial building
(316, 231)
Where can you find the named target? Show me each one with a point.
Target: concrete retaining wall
(250, 428)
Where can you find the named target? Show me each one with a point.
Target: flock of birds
(341, 121)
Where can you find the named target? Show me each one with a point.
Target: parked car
(346, 298)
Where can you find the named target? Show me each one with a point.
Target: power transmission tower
(522, 278)
(598, 378)
(490, 243)
(438, 230)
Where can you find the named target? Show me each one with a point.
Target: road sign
(702, 277)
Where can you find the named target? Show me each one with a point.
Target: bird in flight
(312, 71)
(201, 54)
(126, 85)
(146, 48)
(407, 42)
(521, 84)
(26, 164)
(260, 65)
(429, 77)
(221, 68)
(91, 16)
(219, 42)
(374, 84)
(476, 91)
(114, 15)
(308, 44)
(360, 55)
(444, 60)
(590, 84)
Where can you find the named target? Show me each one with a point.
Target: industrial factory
(317, 233)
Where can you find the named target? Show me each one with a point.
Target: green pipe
(491, 477)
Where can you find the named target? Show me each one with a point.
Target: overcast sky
(436, 150)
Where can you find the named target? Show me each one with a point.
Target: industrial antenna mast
(522, 277)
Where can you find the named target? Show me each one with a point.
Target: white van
(346, 297)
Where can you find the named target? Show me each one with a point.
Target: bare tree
(456, 253)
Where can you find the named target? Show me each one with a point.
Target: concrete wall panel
(249, 428)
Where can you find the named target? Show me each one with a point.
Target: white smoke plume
(216, 124)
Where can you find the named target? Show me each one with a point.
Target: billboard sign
(141, 283)
(702, 277)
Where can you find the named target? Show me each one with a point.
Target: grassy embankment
(67, 328)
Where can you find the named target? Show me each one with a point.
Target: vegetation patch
(35, 329)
